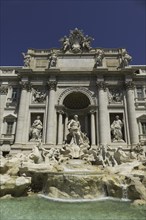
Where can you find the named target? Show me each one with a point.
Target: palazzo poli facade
(98, 85)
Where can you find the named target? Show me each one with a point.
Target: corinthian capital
(101, 85)
(25, 85)
(129, 85)
(52, 85)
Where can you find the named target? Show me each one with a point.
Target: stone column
(50, 134)
(102, 102)
(23, 113)
(133, 126)
(93, 140)
(60, 127)
(3, 95)
(65, 124)
(86, 125)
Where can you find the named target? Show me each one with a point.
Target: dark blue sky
(41, 23)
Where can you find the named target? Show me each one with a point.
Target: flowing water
(37, 208)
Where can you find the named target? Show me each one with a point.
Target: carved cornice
(52, 85)
(101, 85)
(26, 85)
(3, 89)
(129, 85)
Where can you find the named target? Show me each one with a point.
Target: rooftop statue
(126, 59)
(76, 42)
(27, 59)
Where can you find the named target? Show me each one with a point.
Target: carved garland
(76, 89)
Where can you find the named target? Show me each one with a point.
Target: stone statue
(116, 129)
(65, 44)
(74, 128)
(38, 96)
(76, 42)
(126, 58)
(27, 59)
(36, 130)
(52, 60)
(99, 58)
(86, 43)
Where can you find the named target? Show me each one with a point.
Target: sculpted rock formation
(76, 170)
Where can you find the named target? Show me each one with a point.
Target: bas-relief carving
(38, 96)
(36, 130)
(115, 95)
(76, 42)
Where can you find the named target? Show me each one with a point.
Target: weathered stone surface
(139, 202)
(3, 165)
(16, 186)
(74, 186)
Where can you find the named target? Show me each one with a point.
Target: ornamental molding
(83, 90)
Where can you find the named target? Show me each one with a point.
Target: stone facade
(38, 99)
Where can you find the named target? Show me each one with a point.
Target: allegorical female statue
(116, 129)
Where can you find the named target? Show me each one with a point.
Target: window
(9, 127)
(143, 125)
(140, 94)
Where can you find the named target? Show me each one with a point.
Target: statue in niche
(27, 59)
(52, 60)
(116, 129)
(36, 130)
(115, 95)
(74, 128)
(38, 96)
(126, 58)
(99, 58)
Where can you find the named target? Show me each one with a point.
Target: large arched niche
(76, 94)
